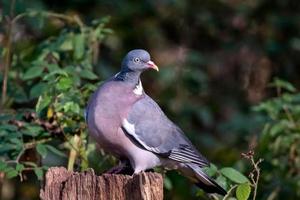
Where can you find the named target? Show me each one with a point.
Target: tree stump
(61, 184)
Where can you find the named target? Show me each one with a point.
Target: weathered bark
(61, 184)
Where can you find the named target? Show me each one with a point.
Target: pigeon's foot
(122, 168)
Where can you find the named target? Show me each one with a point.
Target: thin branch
(26, 146)
(256, 179)
(7, 60)
(72, 19)
(8, 55)
(229, 192)
(213, 196)
(18, 17)
(30, 145)
(20, 154)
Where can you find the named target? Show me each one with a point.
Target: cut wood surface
(61, 184)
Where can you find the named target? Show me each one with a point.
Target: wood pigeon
(127, 123)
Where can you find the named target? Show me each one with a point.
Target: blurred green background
(229, 73)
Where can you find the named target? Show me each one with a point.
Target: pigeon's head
(138, 60)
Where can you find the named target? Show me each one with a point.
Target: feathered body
(126, 122)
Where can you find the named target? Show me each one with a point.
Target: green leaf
(168, 183)
(52, 68)
(38, 90)
(3, 165)
(71, 106)
(32, 130)
(4, 148)
(8, 127)
(6, 117)
(33, 72)
(44, 134)
(19, 167)
(87, 74)
(78, 42)
(42, 150)
(55, 151)
(42, 103)
(29, 133)
(243, 191)
(31, 164)
(16, 141)
(234, 175)
(64, 83)
(211, 170)
(67, 43)
(283, 84)
(56, 56)
(11, 173)
(39, 173)
(54, 74)
(107, 31)
(222, 181)
(277, 128)
(32, 13)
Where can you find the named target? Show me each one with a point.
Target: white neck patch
(138, 90)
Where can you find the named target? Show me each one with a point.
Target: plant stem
(229, 192)
(26, 146)
(73, 152)
(257, 170)
(8, 53)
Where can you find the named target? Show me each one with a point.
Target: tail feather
(213, 187)
(203, 181)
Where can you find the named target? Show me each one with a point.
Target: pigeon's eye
(136, 60)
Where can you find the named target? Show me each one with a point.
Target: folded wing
(150, 128)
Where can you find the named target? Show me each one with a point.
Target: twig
(254, 179)
(229, 192)
(213, 196)
(26, 146)
(30, 145)
(8, 53)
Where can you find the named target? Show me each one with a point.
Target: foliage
(232, 180)
(216, 59)
(56, 77)
(280, 140)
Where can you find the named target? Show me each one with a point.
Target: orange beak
(152, 65)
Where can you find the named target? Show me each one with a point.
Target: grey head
(137, 60)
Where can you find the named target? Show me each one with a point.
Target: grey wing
(147, 124)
